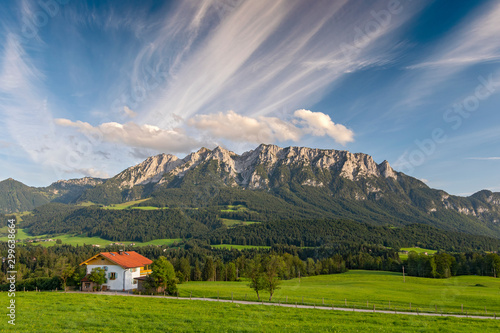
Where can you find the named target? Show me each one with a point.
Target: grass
(148, 208)
(125, 205)
(60, 312)
(239, 247)
(72, 239)
(233, 223)
(419, 250)
(234, 208)
(21, 234)
(378, 288)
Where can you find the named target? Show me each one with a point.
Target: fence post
(190, 294)
(302, 300)
(373, 307)
(485, 310)
(462, 309)
(410, 306)
(286, 299)
(232, 297)
(345, 301)
(323, 301)
(217, 295)
(389, 305)
(435, 308)
(367, 304)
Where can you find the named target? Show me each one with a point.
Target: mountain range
(271, 182)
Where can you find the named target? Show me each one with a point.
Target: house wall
(124, 277)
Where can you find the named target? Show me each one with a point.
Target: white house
(121, 269)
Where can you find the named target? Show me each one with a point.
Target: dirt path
(298, 306)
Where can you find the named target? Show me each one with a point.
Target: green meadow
(68, 312)
(385, 290)
(81, 240)
(418, 250)
(232, 223)
(125, 205)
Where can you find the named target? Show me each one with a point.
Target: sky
(89, 88)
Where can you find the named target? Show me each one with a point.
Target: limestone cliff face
(149, 171)
(85, 181)
(255, 168)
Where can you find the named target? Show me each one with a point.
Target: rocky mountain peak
(85, 181)
(149, 171)
(386, 170)
(254, 168)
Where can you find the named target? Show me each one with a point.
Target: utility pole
(404, 278)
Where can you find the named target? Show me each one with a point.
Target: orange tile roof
(127, 259)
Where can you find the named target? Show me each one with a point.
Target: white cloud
(136, 136)
(260, 129)
(128, 112)
(91, 172)
(320, 124)
(233, 126)
(494, 158)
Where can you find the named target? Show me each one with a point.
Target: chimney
(120, 251)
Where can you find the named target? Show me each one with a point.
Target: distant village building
(122, 269)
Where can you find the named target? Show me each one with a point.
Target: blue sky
(91, 88)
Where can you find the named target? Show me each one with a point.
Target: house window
(135, 281)
(133, 270)
(112, 276)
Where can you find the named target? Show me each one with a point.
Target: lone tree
(163, 275)
(255, 274)
(98, 276)
(274, 266)
(64, 270)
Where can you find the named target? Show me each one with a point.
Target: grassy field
(233, 223)
(404, 256)
(81, 240)
(125, 205)
(378, 288)
(239, 247)
(60, 312)
(234, 208)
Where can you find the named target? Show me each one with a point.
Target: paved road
(299, 306)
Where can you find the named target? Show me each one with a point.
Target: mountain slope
(17, 197)
(298, 182)
(274, 183)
